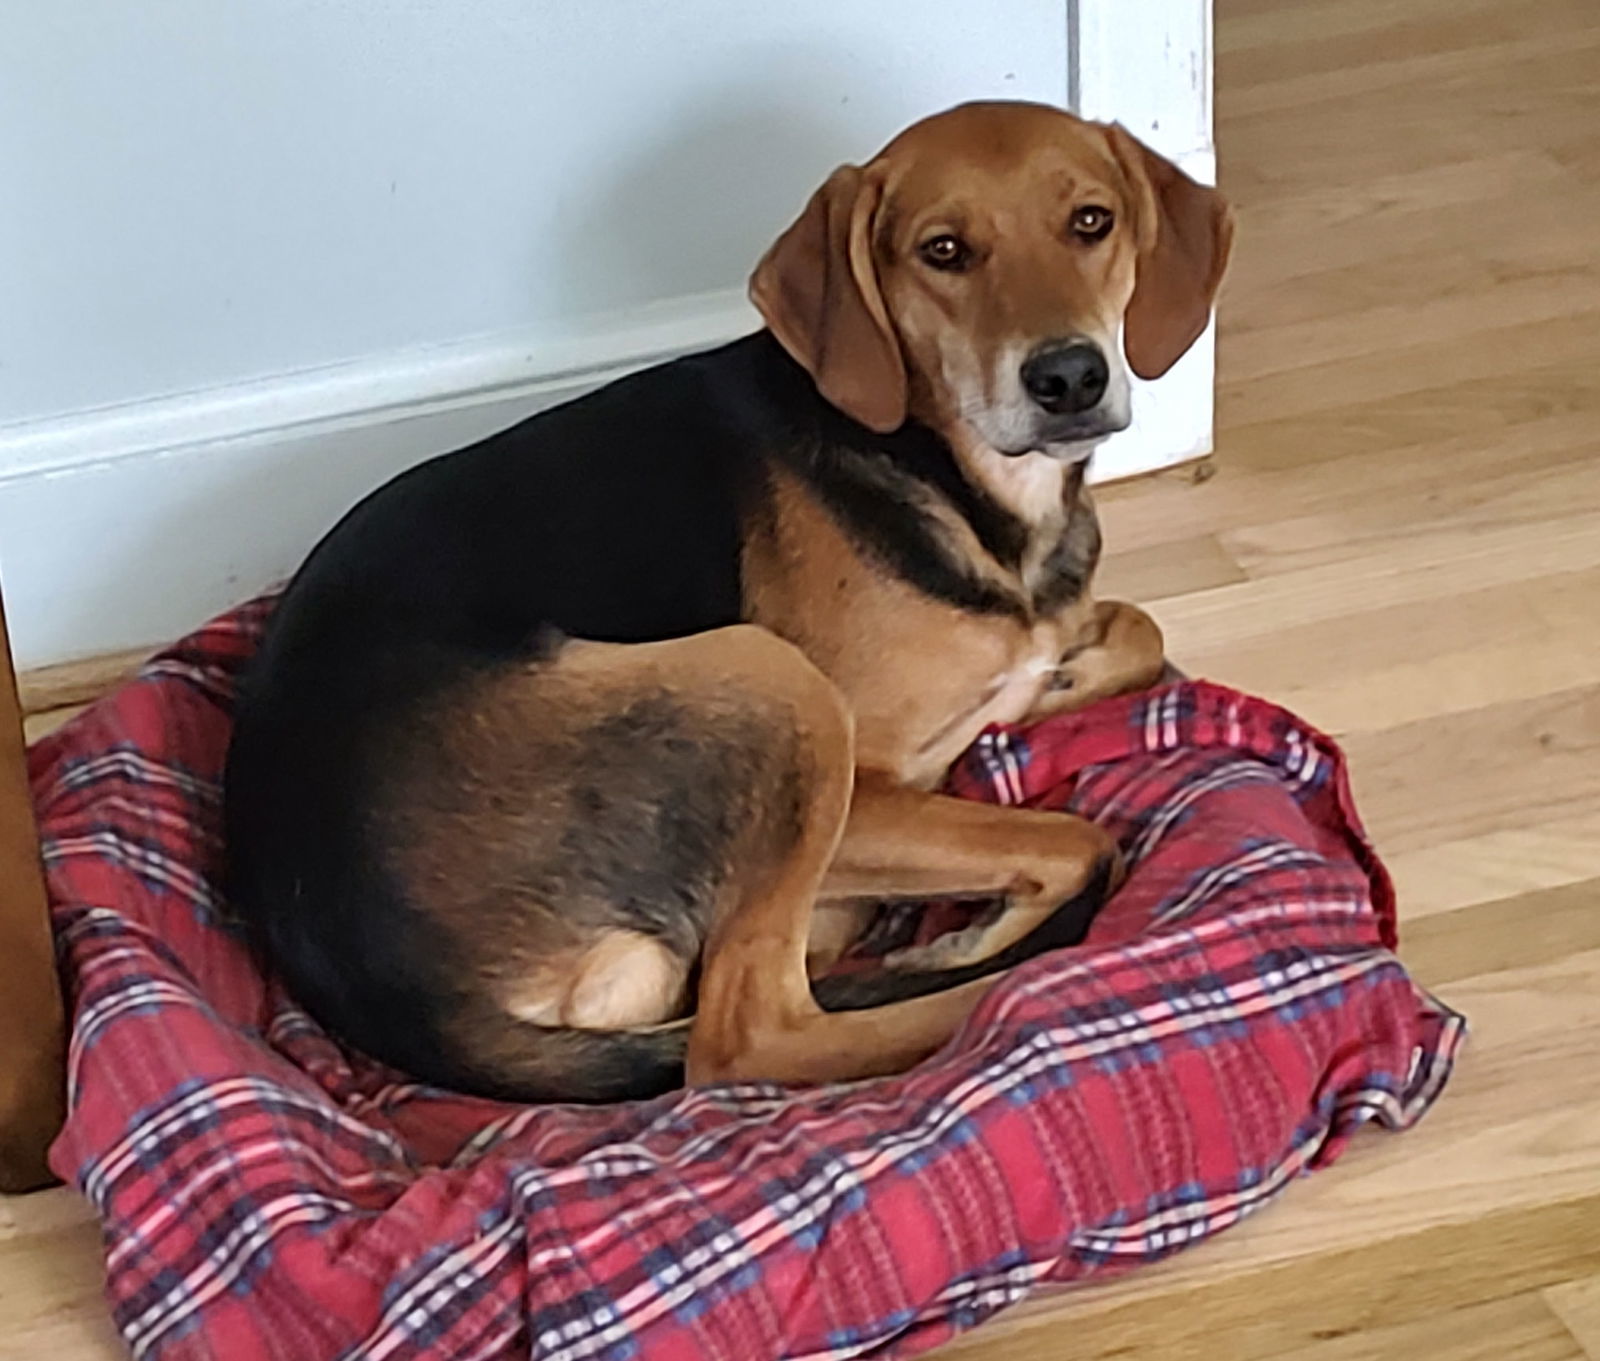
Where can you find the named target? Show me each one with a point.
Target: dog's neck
(1043, 493)
(1037, 489)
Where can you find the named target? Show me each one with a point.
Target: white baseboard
(127, 526)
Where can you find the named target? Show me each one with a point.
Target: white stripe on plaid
(705, 1267)
(1303, 761)
(1423, 1088)
(203, 1103)
(132, 996)
(164, 869)
(1275, 855)
(1233, 730)
(143, 810)
(229, 1161)
(998, 753)
(208, 677)
(1162, 713)
(1227, 775)
(134, 766)
(226, 1263)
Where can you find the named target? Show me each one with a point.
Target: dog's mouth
(1067, 443)
(1068, 439)
(1014, 429)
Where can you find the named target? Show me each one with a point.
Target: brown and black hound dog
(614, 717)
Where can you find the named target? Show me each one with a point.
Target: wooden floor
(1402, 541)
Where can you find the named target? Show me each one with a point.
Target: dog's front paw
(1123, 652)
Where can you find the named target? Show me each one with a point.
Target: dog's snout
(1066, 379)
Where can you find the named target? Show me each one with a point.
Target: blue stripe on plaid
(1160, 718)
(1159, 822)
(188, 1235)
(153, 865)
(720, 1259)
(242, 1251)
(188, 1108)
(1002, 755)
(1307, 768)
(126, 762)
(1255, 857)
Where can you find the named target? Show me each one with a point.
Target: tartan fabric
(1235, 1015)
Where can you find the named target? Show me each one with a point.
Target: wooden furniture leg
(32, 1023)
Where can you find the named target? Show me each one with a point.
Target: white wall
(255, 258)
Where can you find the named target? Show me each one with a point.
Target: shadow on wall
(694, 203)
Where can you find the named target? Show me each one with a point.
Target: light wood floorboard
(1401, 541)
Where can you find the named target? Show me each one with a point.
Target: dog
(569, 758)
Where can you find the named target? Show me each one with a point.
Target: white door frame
(1147, 64)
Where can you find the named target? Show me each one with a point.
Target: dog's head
(997, 267)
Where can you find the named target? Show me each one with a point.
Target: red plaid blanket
(1234, 1016)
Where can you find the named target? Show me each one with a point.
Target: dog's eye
(1091, 222)
(946, 252)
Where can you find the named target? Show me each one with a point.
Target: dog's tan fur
(810, 737)
(885, 339)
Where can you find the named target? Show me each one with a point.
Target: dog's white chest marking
(1017, 689)
(1007, 698)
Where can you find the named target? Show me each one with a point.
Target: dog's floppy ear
(1185, 231)
(817, 289)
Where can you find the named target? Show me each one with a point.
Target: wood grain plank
(51, 1296)
(1577, 1305)
(1458, 429)
(1376, 669)
(1413, 54)
(1281, 1308)
(1543, 927)
(1499, 863)
(1522, 1327)
(1416, 449)
(1170, 569)
(1374, 203)
(1314, 25)
(1423, 567)
(35, 726)
(1459, 775)
(1308, 261)
(1430, 299)
(77, 682)
(1450, 517)
(1394, 366)
(43, 1212)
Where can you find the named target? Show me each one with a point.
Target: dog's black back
(617, 518)
(614, 517)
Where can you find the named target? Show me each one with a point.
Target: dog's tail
(515, 1060)
(520, 1061)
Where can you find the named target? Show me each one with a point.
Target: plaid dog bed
(1235, 1015)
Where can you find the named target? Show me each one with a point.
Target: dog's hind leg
(757, 1016)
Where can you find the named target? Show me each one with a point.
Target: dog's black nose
(1067, 378)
